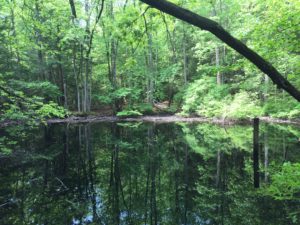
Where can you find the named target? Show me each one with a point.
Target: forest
(130, 112)
(96, 57)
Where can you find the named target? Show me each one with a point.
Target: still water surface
(145, 173)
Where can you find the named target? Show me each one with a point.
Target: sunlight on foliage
(129, 113)
(51, 110)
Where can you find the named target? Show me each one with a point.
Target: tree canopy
(128, 58)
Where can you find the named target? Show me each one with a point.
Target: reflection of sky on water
(89, 218)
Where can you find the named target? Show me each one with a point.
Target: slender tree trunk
(219, 76)
(63, 79)
(170, 38)
(73, 9)
(85, 86)
(112, 55)
(150, 82)
(86, 60)
(185, 61)
(13, 28)
(266, 81)
(61, 73)
(114, 62)
(151, 78)
(81, 77)
(76, 75)
(40, 54)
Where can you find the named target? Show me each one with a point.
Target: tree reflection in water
(136, 173)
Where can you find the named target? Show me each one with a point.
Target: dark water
(136, 173)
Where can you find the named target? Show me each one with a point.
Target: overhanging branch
(222, 34)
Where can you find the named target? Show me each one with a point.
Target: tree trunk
(222, 34)
(185, 66)
(64, 87)
(113, 54)
(219, 75)
(62, 74)
(150, 82)
(81, 78)
(170, 39)
(85, 85)
(73, 9)
(266, 81)
(76, 75)
(87, 55)
(64, 80)
(14, 32)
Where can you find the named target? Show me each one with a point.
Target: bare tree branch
(73, 9)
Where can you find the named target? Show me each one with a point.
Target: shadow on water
(144, 173)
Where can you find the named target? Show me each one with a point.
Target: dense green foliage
(126, 55)
(122, 57)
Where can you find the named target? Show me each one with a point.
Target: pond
(147, 173)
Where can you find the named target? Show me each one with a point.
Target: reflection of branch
(122, 192)
(62, 183)
(4, 204)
